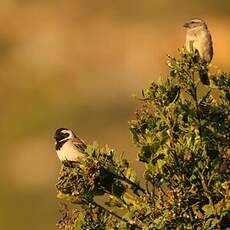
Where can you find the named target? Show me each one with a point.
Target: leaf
(91, 148)
(79, 221)
(131, 174)
(160, 164)
(163, 137)
(208, 209)
(211, 223)
(225, 185)
(131, 200)
(114, 201)
(61, 195)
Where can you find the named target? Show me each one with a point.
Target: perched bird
(69, 147)
(199, 38)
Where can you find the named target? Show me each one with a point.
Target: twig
(131, 183)
(116, 215)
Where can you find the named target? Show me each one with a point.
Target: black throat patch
(59, 144)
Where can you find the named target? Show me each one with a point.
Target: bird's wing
(79, 144)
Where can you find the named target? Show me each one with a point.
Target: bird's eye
(65, 134)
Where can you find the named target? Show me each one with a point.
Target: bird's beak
(186, 25)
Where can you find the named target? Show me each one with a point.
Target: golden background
(76, 64)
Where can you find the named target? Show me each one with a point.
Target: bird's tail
(203, 74)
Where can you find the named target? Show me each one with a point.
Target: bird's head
(195, 23)
(63, 134)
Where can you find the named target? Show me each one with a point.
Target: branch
(131, 225)
(132, 183)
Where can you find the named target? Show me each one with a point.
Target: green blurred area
(76, 64)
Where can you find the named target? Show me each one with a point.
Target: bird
(70, 148)
(199, 38)
(68, 145)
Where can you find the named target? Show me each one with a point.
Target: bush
(182, 131)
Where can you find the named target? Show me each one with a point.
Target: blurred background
(76, 64)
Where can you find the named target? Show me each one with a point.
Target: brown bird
(199, 38)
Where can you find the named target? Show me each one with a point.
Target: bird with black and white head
(69, 146)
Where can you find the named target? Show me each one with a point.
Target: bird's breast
(69, 152)
(201, 41)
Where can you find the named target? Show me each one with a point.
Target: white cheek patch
(65, 139)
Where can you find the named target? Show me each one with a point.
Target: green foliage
(183, 134)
